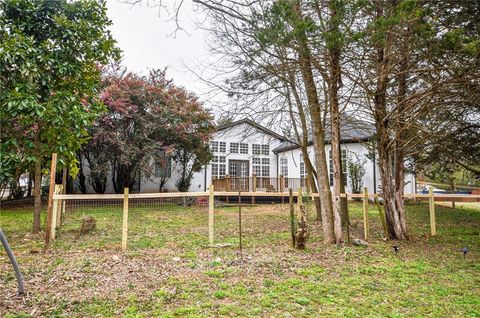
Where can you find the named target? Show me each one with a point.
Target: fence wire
(179, 221)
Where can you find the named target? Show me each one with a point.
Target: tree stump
(88, 225)
(302, 229)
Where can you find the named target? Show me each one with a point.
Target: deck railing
(254, 183)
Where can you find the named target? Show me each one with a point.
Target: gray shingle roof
(351, 130)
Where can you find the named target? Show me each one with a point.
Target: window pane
(265, 171)
(163, 169)
(265, 150)
(244, 148)
(222, 146)
(234, 147)
(214, 146)
(265, 161)
(255, 149)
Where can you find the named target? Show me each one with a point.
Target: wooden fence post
(292, 216)
(227, 187)
(453, 197)
(240, 222)
(282, 184)
(433, 226)
(60, 205)
(382, 215)
(125, 219)
(347, 227)
(365, 213)
(300, 198)
(211, 209)
(53, 170)
(254, 186)
(64, 191)
(55, 212)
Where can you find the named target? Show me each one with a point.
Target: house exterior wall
(244, 133)
(239, 134)
(353, 149)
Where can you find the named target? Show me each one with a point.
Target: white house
(244, 149)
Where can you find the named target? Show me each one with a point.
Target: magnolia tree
(50, 52)
(147, 120)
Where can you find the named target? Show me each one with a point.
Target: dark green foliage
(50, 54)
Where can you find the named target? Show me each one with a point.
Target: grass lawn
(169, 270)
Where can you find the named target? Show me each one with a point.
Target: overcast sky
(145, 36)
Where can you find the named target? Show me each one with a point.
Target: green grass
(169, 270)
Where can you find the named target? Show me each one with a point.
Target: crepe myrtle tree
(148, 119)
(50, 57)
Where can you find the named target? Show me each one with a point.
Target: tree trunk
(390, 158)
(334, 57)
(343, 200)
(303, 140)
(313, 184)
(302, 229)
(30, 183)
(392, 196)
(38, 195)
(305, 62)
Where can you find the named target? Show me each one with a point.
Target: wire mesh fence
(163, 220)
(200, 219)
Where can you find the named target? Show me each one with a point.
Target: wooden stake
(292, 216)
(453, 197)
(55, 213)
(125, 219)
(48, 227)
(64, 191)
(347, 227)
(365, 213)
(211, 207)
(240, 222)
(254, 186)
(59, 204)
(433, 226)
(382, 216)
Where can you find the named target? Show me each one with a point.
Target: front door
(238, 171)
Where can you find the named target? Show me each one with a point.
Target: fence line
(243, 193)
(59, 201)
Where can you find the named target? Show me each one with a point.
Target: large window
(244, 149)
(284, 166)
(256, 149)
(163, 167)
(261, 166)
(234, 147)
(260, 149)
(219, 166)
(343, 156)
(218, 146)
(265, 150)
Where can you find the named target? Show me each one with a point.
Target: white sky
(144, 33)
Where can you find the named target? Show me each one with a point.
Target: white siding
(245, 133)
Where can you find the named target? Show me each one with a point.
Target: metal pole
(18, 274)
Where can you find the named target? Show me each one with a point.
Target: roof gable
(253, 124)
